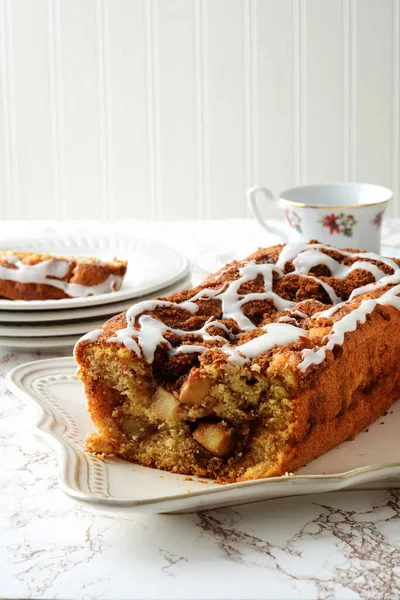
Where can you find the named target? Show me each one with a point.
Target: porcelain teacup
(344, 214)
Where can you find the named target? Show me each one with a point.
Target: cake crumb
(187, 491)
(287, 474)
(188, 479)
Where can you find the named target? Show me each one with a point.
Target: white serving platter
(372, 460)
(151, 266)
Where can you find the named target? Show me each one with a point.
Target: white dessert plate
(49, 329)
(52, 336)
(77, 314)
(114, 486)
(42, 344)
(151, 266)
(67, 314)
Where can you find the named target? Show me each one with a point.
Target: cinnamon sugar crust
(42, 276)
(267, 364)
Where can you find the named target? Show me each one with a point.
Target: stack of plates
(50, 325)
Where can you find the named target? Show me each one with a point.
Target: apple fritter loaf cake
(266, 365)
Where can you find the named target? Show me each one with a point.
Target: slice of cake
(266, 365)
(32, 276)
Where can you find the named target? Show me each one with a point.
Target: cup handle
(252, 201)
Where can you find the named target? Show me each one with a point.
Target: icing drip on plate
(43, 273)
(145, 332)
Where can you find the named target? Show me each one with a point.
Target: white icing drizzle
(328, 312)
(151, 333)
(38, 273)
(370, 287)
(232, 302)
(91, 336)
(309, 259)
(290, 252)
(151, 305)
(185, 349)
(290, 317)
(299, 313)
(151, 330)
(145, 332)
(287, 319)
(329, 289)
(44, 271)
(350, 321)
(277, 334)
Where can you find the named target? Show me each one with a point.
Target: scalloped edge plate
(117, 487)
(151, 265)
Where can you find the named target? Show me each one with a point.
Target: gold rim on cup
(337, 206)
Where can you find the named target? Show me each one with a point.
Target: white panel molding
(346, 88)
(275, 98)
(80, 109)
(299, 92)
(153, 109)
(250, 93)
(128, 110)
(374, 102)
(349, 89)
(226, 107)
(56, 107)
(395, 207)
(201, 109)
(172, 108)
(103, 93)
(322, 104)
(8, 101)
(353, 90)
(176, 99)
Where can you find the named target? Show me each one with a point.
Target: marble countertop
(341, 545)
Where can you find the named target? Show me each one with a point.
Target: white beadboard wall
(172, 108)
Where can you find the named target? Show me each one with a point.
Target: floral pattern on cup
(340, 223)
(377, 221)
(293, 219)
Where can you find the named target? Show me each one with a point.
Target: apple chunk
(132, 428)
(217, 438)
(165, 406)
(195, 389)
